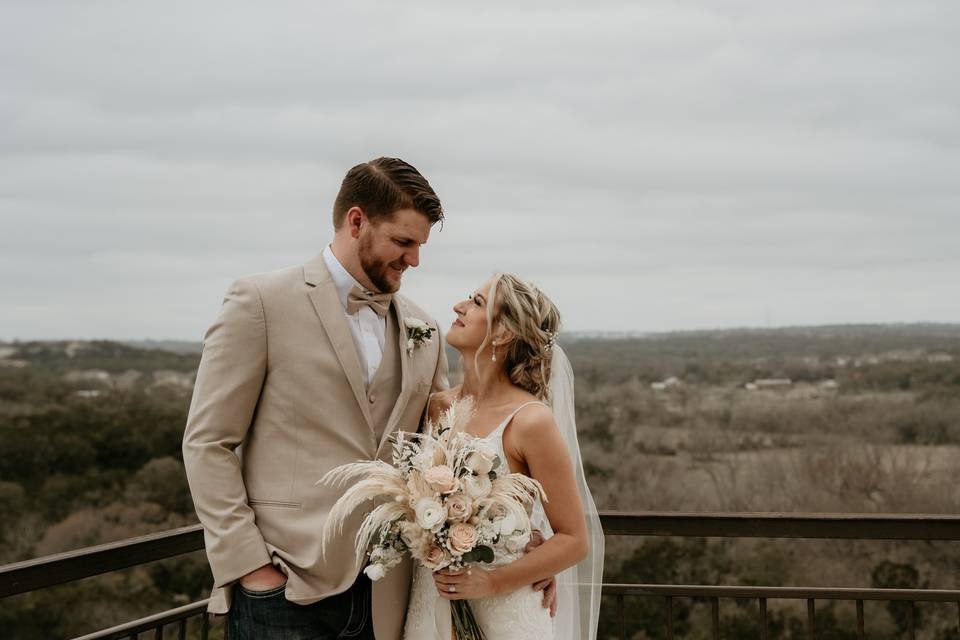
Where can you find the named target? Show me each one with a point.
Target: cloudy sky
(651, 165)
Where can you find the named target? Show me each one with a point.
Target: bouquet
(448, 501)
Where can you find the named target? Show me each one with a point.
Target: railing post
(860, 632)
(812, 619)
(670, 617)
(620, 616)
(715, 611)
(764, 631)
(911, 627)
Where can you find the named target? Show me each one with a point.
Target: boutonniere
(418, 333)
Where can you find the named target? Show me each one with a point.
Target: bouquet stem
(465, 626)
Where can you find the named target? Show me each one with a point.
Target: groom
(303, 370)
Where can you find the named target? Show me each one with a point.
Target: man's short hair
(381, 187)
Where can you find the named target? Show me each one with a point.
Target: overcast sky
(651, 165)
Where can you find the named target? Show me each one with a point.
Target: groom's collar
(342, 279)
(316, 272)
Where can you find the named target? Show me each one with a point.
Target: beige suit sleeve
(226, 392)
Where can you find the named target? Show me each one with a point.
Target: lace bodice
(538, 517)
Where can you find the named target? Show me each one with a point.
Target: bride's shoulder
(533, 419)
(534, 432)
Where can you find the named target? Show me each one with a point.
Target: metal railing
(840, 526)
(57, 569)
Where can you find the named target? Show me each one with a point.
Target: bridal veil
(578, 588)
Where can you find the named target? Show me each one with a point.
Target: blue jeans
(268, 615)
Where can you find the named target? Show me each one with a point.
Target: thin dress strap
(506, 421)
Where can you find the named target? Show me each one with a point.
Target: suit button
(372, 398)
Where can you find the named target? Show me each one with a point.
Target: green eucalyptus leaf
(483, 554)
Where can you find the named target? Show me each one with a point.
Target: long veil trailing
(578, 588)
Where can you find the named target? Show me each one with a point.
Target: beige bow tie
(379, 302)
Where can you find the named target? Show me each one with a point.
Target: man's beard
(375, 268)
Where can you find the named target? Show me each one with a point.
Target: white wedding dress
(519, 615)
(514, 616)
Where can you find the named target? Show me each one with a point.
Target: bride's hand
(462, 584)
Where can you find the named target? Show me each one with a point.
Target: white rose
(477, 486)
(415, 323)
(478, 463)
(516, 544)
(410, 344)
(375, 571)
(430, 513)
(484, 449)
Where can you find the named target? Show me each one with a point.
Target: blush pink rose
(441, 479)
(462, 537)
(459, 507)
(435, 558)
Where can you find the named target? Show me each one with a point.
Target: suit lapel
(327, 304)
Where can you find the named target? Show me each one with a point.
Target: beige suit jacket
(279, 401)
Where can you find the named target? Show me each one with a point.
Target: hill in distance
(618, 350)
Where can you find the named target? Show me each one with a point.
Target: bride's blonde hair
(533, 319)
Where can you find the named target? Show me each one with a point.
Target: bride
(522, 386)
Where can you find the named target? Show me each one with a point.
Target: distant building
(903, 355)
(666, 384)
(89, 375)
(939, 358)
(772, 383)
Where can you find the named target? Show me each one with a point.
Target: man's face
(388, 247)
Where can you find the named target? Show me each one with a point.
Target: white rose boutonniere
(419, 333)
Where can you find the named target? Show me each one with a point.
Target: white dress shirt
(368, 329)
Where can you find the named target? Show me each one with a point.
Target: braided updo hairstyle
(534, 320)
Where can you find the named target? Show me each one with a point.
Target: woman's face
(470, 327)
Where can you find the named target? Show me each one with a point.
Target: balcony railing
(57, 569)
